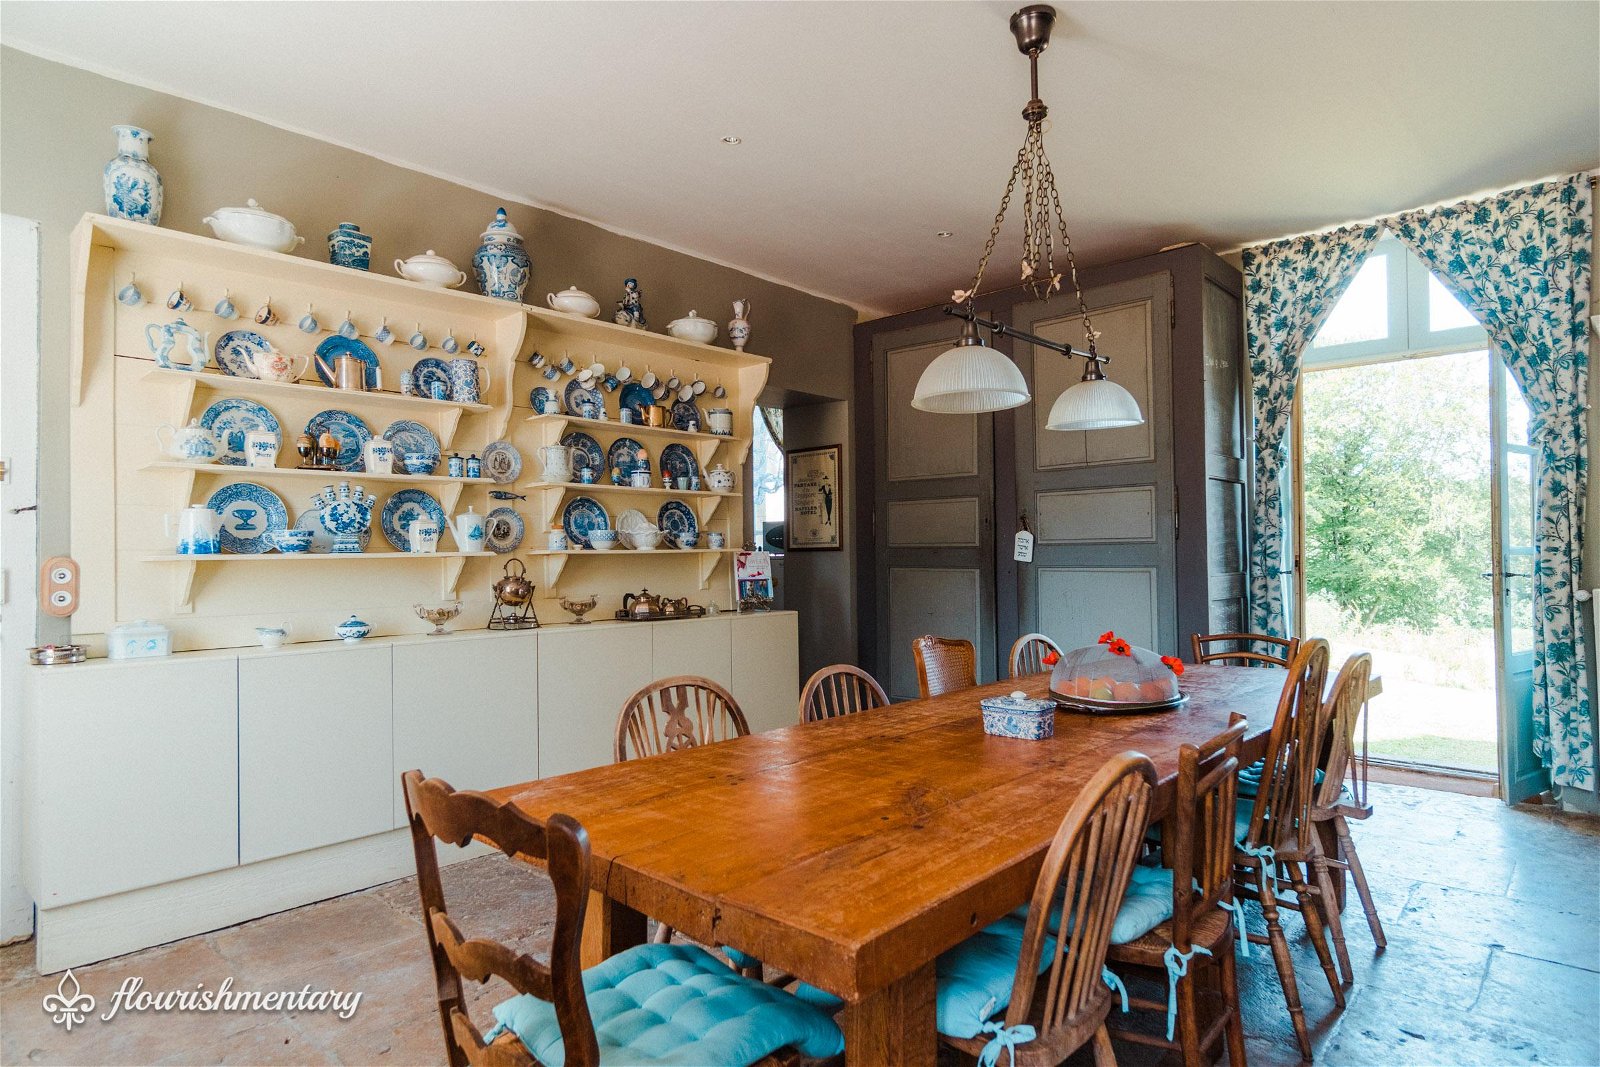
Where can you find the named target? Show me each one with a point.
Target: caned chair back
(1028, 653)
(676, 713)
(1202, 823)
(1089, 862)
(944, 664)
(840, 690)
(1339, 715)
(1281, 815)
(437, 811)
(1245, 649)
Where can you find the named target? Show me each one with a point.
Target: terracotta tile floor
(1493, 916)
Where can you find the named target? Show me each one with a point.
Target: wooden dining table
(852, 852)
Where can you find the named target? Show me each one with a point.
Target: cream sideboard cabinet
(168, 797)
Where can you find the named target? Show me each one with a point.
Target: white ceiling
(867, 127)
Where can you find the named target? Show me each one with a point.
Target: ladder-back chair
(1242, 649)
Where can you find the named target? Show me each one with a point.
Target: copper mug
(655, 415)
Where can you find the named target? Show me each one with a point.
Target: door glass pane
(1519, 500)
(1362, 313)
(1516, 412)
(1445, 312)
(1519, 604)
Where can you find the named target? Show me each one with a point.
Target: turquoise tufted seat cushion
(975, 977)
(1250, 779)
(1146, 905)
(675, 1005)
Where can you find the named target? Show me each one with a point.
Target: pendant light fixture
(972, 377)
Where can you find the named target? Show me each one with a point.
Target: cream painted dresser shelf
(256, 387)
(307, 473)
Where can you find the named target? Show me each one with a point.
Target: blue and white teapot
(164, 337)
(190, 444)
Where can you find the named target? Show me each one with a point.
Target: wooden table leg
(893, 1027)
(609, 927)
(1328, 837)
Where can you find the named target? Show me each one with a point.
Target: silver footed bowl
(438, 615)
(579, 607)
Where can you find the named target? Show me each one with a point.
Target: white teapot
(191, 444)
(720, 479)
(271, 365)
(468, 530)
(430, 269)
(574, 301)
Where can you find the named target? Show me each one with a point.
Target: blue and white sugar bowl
(352, 630)
(349, 247)
(1018, 715)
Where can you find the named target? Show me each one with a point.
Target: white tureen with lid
(255, 227)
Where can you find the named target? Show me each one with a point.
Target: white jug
(557, 462)
(468, 531)
(199, 531)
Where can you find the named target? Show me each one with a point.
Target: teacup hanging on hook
(450, 344)
(225, 308)
(419, 340)
(265, 316)
(384, 336)
(130, 294)
(347, 328)
(308, 321)
(474, 348)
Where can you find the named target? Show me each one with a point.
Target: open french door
(1512, 504)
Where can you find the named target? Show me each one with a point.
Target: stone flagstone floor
(1493, 917)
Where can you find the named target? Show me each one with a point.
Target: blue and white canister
(474, 467)
(349, 247)
(132, 186)
(457, 466)
(501, 263)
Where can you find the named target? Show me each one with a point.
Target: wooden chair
(1028, 653)
(1089, 861)
(840, 690)
(944, 664)
(1279, 833)
(1335, 802)
(1201, 855)
(1246, 655)
(677, 713)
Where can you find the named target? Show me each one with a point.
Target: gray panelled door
(933, 525)
(1101, 502)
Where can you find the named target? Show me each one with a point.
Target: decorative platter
(352, 433)
(676, 520)
(250, 512)
(503, 530)
(580, 400)
(409, 436)
(502, 462)
(677, 461)
(337, 346)
(581, 515)
(636, 396)
(430, 370)
(585, 452)
(686, 414)
(1090, 706)
(230, 419)
(625, 453)
(235, 349)
(406, 507)
(537, 397)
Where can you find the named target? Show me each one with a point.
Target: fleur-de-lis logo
(69, 1005)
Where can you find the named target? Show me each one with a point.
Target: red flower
(1107, 637)
(1051, 658)
(1119, 647)
(1173, 664)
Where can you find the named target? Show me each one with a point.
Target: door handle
(1506, 574)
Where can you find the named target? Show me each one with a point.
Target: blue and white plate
(502, 462)
(233, 417)
(638, 398)
(678, 462)
(677, 520)
(337, 346)
(409, 436)
(430, 370)
(503, 530)
(582, 514)
(578, 396)
(585, 452)
(235, 349)
(250, 512)
(536, 398)
(352, 433)
(685, 412)
(624, 453)
(404, 508)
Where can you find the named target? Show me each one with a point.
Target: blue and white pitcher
(199, 531)
(163, 337)
(468, 380)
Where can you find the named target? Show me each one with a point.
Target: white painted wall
(19, 445)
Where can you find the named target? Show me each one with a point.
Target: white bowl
(693, 328)
(645, 540)
(602, 544)
(255, 227)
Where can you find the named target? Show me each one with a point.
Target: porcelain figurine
(739, 325)
(501, 263)
(191, 444)
(352, 630)
(630, 309)
(468, 531)
(349, 247)
(132, 186)
(163, 337)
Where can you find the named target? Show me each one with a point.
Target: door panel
(941, 601)
(1125, 336)
(1078, 605)
(1521, 773)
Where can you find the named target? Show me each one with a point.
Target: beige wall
(55, 137)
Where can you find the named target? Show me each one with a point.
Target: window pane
(766, 462)
(1445, 312)
(1516, 412)
(1519, 500)
(1362, 313)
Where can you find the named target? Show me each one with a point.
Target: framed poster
(815, 502)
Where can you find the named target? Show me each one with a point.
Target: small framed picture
(814, 500)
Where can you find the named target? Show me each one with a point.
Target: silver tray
(1090, 706)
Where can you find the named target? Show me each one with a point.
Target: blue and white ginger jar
(349, 247)
(132, 186)
(501, 263)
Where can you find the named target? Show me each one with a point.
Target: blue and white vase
(132, 186)
(349, 247)
(501, 262)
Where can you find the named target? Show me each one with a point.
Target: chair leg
(1311, 910)
(1359, 876)
(1330, 913)
(1285, 965)
(1188, 1022)
(662, 936)
(1104, 1054)
(1234, 1028)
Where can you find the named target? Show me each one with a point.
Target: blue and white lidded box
(1019, 715)
(138, 640)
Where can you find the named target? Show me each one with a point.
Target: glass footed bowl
(1099, 679)
(438, 614)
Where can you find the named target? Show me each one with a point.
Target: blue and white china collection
(475, 347)
(423, 535)
(503, 530)
(474, 467)
(625, 458)
(686, 416)
(352, 630)
(293, 541)
(677, 521)
(349, 247)
(630, 309)
(265, 316)
(249, 514)
(556, 540)
(719, 479)
(677, 461)
(501, 262)
(272, 636)
(348, 329)
(130, 294)
(236, 351)
(639, 479)
(308, 322)
(131, 183)
(1017, 715)
(431, 371)
(413, 438)
(352, 433)
(457, 466)
(720, 421)
(503, 462)
(439, 391)
(230, 419)
(378, 456)
(583, 401)
(418, 340)
(198, 531)
(417, 463)
(602, 539)
(163, 338)
(586, 451)
(469, 531)
(408, 383)
(189, 444)
(404, 508)
(715, 539)
(582, 515)
(450, 345)
(384, 336)
(555, 462)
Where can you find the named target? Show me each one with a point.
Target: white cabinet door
(766, 668)
(702, 647)
(134, 775)
(316, 749)
(583, 681)
(466, 711)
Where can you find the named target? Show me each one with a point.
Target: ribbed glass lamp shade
(1096, 404)
(970, 379)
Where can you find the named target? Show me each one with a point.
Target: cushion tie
(1109, 977)
(1267, 857)
(1177, 966)
(1005, 1037)
(1238, 920)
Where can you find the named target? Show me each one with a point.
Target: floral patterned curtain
(1290, 289)
(1521, 261)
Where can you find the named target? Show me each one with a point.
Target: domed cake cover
(1115, 672)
